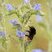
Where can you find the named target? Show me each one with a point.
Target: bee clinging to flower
(31, 33)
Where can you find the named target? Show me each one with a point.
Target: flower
(2, 33)
(13, 22)
(37, 50)
(20, 34)
(9, 7)
(39, 18)
(26, 1)
(37, 7)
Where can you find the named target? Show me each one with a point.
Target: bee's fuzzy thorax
(32, 32)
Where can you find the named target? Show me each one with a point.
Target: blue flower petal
(13, 22)
(37, 7)
(26, 1)
(37, 50)
(9, 7)
(39, 18)
(20, 34)
(2, 33)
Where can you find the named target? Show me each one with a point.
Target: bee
(31, 33)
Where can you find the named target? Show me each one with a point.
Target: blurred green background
(43, 36)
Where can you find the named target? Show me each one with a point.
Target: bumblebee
(31, 33)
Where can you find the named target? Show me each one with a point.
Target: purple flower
(9, 7)
(2, 33)
(37, 7)
(37, 50)
(20, 34)
(13, 21)
(26, 1)
(39, 18)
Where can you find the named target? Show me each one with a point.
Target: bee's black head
(32, 32)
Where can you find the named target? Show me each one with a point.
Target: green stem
(25, 48)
